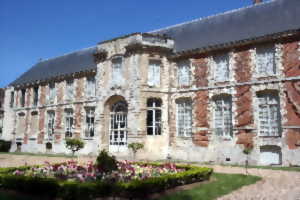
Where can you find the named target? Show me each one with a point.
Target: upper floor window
(222, 116)
(69, 122)
(221, 67)
(52, 92)
(183, 73)
(22, 100)
(184, 117)
(153, 116)
(90, 122)
(154, 73)
(117, 70)
(265, 60)
(12, 99)
(35, 96)
(50, 123)
(91, 87)
(1, 124)
(70, 90)
(269, 114)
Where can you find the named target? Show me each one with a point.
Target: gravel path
(276, 185)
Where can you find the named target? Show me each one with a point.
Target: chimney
(257, 1)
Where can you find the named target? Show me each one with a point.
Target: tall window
(265, 59)
(35, 96)
(117, 70)
(154, 73)
(22, 100)
(12, 99)
(52, 93)
(90, 122)
(184, 117)
(91, 87)
(70, 90)
(221, 67)
(153, 116)
(184, 74)
(50, 123)
(222, 116)
(269, 114)
(69, 122)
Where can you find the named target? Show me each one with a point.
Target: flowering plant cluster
(72, 170)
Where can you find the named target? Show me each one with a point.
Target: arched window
(118, 123)
(269, 113)
(153, 116)
(223, 116)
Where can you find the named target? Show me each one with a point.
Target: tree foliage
(74, 144)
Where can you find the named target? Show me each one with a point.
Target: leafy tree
(74, 144)
(135, 146)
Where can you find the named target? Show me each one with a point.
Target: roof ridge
(212, 16)
(66, 54)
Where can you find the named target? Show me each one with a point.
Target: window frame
(90, 87)
(259, 51)
(155, 111)
(218, 59)
(187, 77)
(22, 98)
(266, 95)
(35, 96)
(187, 107)
(51, 132)
(69, 123)
(89, 114)
(117, 75)
(154, 79)
(226, 102)
(52, 92)
(12, 99)
(69, 89)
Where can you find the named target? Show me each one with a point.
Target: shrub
(74, 144)
(105, 162)
(5, 146)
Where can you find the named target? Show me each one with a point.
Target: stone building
(1, 110)
(198, 91)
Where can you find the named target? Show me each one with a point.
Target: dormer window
(183, 74)
(154, 73)
(265, 60)
(221, 67)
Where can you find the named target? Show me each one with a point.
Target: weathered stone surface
(291, 59)
(43, 94)
(293, 138)
(41, 126)
(244, 113)
(243, 65)
(245, 138)
(292, 103)
(201, 72)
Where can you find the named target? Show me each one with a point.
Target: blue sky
(39, 29)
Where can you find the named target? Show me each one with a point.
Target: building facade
(199, 91)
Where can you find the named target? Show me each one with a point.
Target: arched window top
(183, 100)
(154, 102)
(221, 96)
(120, 106)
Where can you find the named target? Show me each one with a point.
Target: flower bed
(76, 181)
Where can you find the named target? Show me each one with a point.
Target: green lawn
(223, 184)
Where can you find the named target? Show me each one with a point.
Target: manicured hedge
(89, 190)
(5, 146)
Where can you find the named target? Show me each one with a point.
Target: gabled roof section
(78, 61)
(250, 22)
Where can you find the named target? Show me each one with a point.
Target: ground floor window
(50, 123)
(153, 116)
(69, 122)
(269, 114)
(184, 117)
(90, 122)
(223, 116)
(118, 123)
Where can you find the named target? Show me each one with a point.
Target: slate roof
(246, 23)
(250, 22)
(82, 60)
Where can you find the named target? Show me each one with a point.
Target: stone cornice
(138, 48)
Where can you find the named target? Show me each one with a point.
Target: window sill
(278, 136)
(88, 138)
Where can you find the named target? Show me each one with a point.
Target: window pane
(265, 58)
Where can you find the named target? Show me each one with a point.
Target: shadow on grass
(223, 184)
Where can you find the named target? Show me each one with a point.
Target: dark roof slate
(245, 23)
(82, 60)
